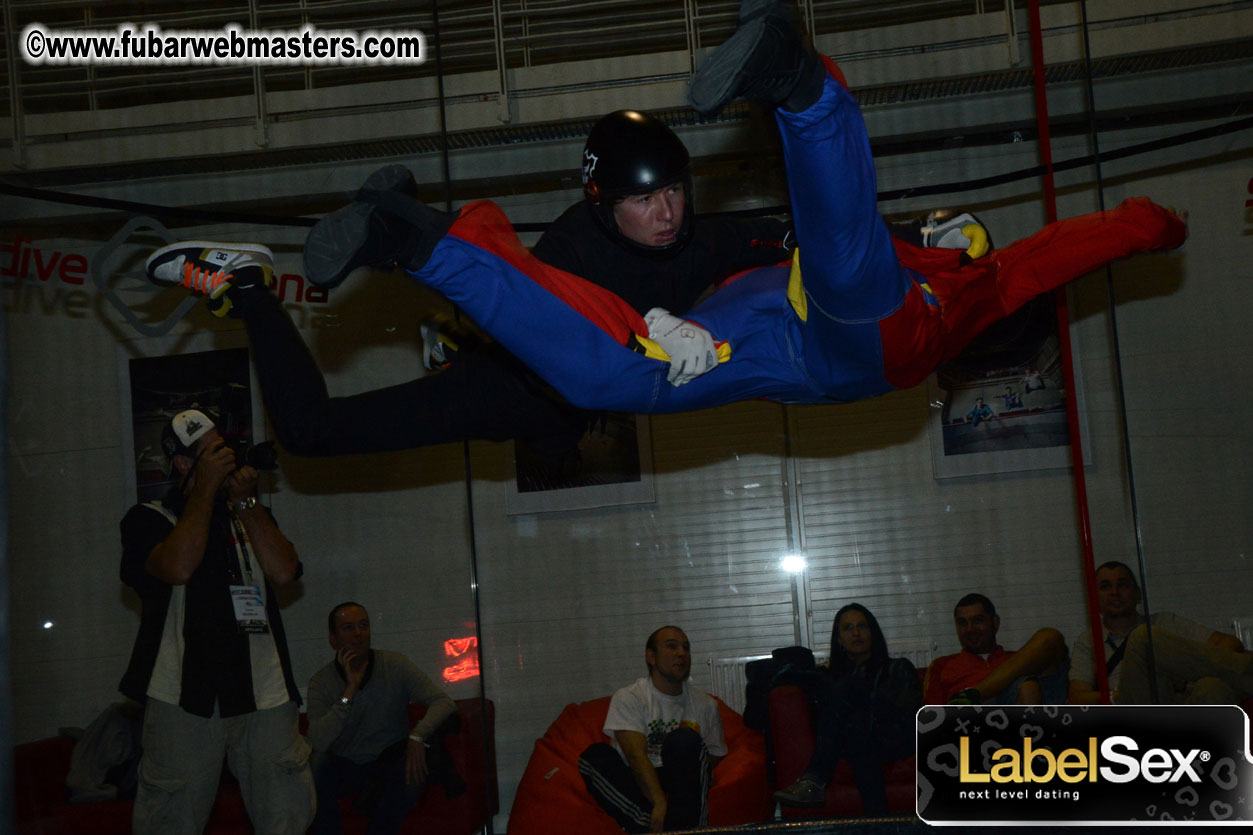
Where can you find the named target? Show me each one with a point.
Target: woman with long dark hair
(868, 713)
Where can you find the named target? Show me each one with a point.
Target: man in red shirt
(985, 673)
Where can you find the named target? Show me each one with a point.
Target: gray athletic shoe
(768, 59)
(386, 225)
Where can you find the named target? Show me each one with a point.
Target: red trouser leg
(919, 337)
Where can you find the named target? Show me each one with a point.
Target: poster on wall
(1001, 405)
(612, 464)
(167, 375)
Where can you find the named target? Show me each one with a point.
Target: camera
(235, 409)
(262, 456)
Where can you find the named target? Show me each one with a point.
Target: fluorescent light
(793, 563)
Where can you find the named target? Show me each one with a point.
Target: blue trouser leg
(851, 274)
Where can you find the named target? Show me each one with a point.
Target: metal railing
(475, 35)
(502, 41)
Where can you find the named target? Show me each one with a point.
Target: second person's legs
(484, 395)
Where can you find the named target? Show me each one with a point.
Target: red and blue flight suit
(857, 314)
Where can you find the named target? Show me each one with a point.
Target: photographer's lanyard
(249, 597)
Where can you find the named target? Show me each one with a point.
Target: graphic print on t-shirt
(658, 729)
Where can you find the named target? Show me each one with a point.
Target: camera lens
(262, 456)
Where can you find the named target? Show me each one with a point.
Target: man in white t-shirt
(667, 737)
(1193, 664)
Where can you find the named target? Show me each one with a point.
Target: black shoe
(384, 226)
(768, 59)
(803, 794)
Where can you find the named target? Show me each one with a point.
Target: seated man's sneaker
(963, 231)
(212, 268)
(804, 793)
(969, 696)
(768, 59)
(385, 226)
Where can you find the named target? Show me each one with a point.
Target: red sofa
(552, 799)
(42, 805)
(792, 735)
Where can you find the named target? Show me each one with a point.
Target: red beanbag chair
(552, 799)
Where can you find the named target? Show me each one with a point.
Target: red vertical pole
(1068, 366)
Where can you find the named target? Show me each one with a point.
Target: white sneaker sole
(262, 252)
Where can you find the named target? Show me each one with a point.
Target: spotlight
(793, 563)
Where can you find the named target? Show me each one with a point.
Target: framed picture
(1002, 402)
(612, 465)
(163, 376)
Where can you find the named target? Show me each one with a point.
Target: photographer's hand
(276, 554)
(176, 558)
(212, 468)
(241, 484)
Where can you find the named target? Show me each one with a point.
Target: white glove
(690, 347)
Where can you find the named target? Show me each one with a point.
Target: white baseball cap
(184, 429)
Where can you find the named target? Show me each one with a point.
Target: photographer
(210, 660)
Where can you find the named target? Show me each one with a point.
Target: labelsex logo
(1040, 765)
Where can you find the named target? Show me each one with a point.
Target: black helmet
(627, 153)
